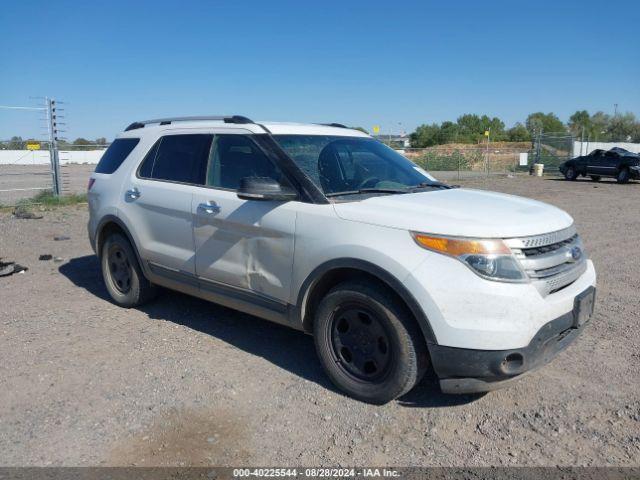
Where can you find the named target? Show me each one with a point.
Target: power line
(9, 107)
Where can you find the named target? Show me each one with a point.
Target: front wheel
(623, 176)
(122, 274)
(595, 178)
(571, 174)
(369, 345)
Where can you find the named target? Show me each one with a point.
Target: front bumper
(463, 370)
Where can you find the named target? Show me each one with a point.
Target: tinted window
(147, 163)
(234, 157)
(115, 154)
(179, 158)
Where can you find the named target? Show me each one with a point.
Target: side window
(234, 157)
(178, 158)
(116, 154)
(149, 158)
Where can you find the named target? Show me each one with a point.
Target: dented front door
(242, 244)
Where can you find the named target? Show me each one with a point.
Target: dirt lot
(184, 382)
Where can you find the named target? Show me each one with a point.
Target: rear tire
(122, 274)
(595, 178)
(570, 174)
(368, 343)
(623, 176)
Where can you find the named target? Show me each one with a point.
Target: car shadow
(286, 348)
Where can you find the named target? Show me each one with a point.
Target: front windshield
(347, 165)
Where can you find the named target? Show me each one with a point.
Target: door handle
(210, 208)
(133, 193)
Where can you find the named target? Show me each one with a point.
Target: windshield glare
(351, 164)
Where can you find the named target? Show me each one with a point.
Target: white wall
(39, 157)
(585, 148)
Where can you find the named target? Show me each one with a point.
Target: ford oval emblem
(576, 253)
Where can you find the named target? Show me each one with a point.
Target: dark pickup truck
(617, 163)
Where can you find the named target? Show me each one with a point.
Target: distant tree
(425, 136)
(518, 133)
(600, 122)
(622, 128)
(16, 143)
(579, 123)
(81, 144)
(469, 126)
(449, 132)
(103, 141)
(544, 122)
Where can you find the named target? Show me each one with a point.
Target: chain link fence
(552, 149)
(459, 161)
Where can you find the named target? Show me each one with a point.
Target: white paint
(585, 148)
(41, 157)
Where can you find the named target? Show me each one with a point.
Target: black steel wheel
(368, 342)
(360, 343)
(122, 275)
(570, 174)
(120, 269)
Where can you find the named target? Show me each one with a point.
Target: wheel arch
(325, 276)
(112, 224)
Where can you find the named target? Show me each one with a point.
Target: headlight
(490, 258)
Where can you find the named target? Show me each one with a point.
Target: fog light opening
(513, 363)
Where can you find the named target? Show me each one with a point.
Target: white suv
(325, 229)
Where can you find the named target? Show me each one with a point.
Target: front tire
(122, 274)
(368, 343)
(571, 174)
(623, 176)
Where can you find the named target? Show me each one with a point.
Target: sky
(362, 63)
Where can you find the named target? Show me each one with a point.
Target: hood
(458, 212)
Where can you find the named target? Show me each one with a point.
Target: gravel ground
(185, 382)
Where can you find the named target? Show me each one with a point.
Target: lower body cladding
(462, 370)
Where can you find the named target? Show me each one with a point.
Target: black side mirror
(264, 188)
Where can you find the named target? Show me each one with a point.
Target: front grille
(535, 251)
(552, 260)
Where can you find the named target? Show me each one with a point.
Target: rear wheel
(122, 274)
(595, 178)
(623, 176)
(368, 343)
(570, 174)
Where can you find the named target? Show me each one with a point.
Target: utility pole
(615, 109)
(488, 134)
(52, 124)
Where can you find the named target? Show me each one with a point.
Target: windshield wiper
(368, 190)
(430, 185)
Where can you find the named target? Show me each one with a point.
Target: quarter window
(116, 154)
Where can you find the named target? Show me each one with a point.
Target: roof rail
(166, 121)
(337, 125)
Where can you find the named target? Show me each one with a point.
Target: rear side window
(178, 158)
(116, 154)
